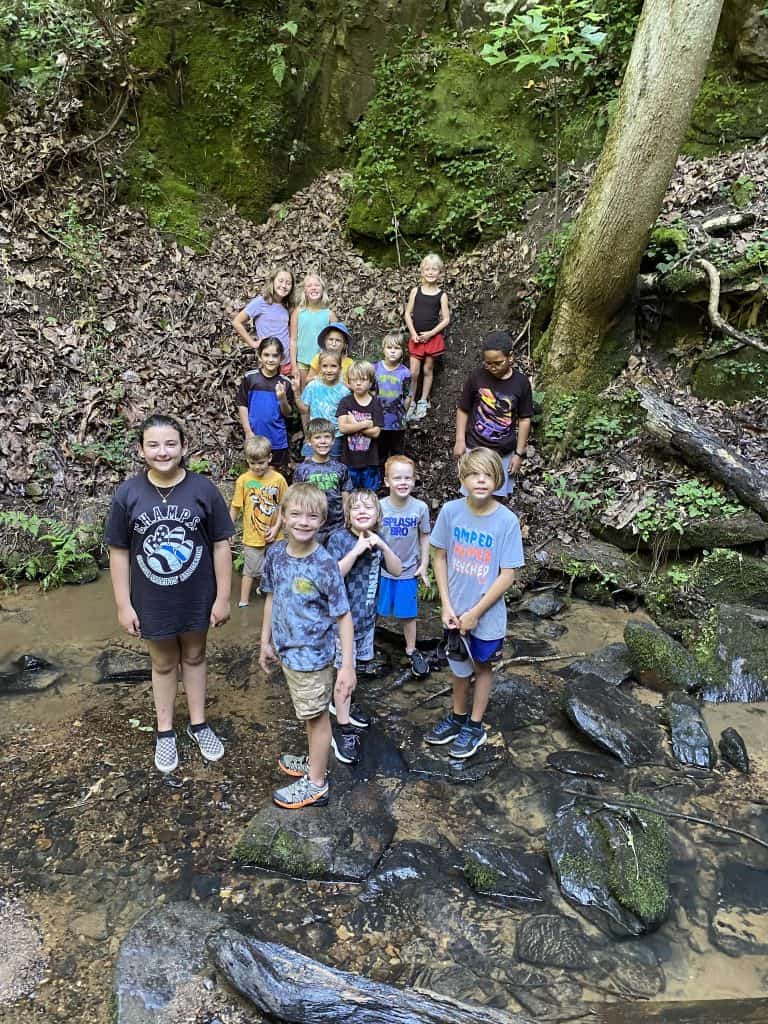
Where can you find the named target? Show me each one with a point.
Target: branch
(727, 222)
(713, 309)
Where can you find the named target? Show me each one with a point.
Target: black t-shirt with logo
(173, 585)
(494, 407)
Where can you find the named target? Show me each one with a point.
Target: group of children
(329, 555)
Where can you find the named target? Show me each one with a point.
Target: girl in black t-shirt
(168, 535)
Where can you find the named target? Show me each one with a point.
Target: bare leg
(481, 695)
(429, 372)
(415, 367)
(245, 589)
(165, 656)
(319, 742)
(342, 708)
(409, 632)
(194, 671)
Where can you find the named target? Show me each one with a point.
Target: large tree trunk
(661, 83)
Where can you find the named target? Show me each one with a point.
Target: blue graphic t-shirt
(477, 549)
(393, 390)
(332, 478)
(308, 597)
(171, 551)
(323, 400)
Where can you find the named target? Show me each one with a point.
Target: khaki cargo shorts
(310, 691)
(253, 561)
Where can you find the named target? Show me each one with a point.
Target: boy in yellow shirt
(258, 494)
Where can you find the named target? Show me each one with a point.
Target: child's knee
(193, 658)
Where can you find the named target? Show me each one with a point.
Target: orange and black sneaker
(301, 793)
(294, 765)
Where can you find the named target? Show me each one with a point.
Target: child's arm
(349, 425)
(409, 314)
(239, 323)
(267, 656)
(346, 678)
(293, 327)
(282, 396)
(311, 372)
(233, 514)
(424, 563)
(242, 412)
(440, 569)
(392, 563)
(445, 319)
(461, 433)
(120, 573)
(500, 585)
(346, 563)
(301, 405)
(222, 570)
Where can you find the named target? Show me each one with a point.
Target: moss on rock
(658, 660)
(480, 877)
(732, 378)
(278, 849)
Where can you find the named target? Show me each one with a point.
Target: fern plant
(63, 558)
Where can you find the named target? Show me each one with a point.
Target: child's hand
(423, 574)
(267, 657)
(459, 448)
(468, 621)
(346, 681)
(220, 611)
(449, 617)
(272, 532)
(129, 620)
(365, 542)
(280, 391)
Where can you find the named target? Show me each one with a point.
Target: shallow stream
(91, 836)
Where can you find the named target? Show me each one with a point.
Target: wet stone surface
(611, 665)
(28, 673)
(734, 750)
(615, 721)
(739, 920)
(691, 742)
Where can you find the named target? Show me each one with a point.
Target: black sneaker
(419, 664)
(446, 730)
(455, 645)
(346, 746)
(468, 742)
(357, 716)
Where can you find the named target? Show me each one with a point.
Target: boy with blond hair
(258, 493)
(306, 606)
(360, 421)
(405, 527)
(477, 547)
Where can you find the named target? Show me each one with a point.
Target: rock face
(162, 953)
(291, 987)
(613, 866)
(659, 661)
(733, 750)
(691, 741)
(697, 534)
(28, 674)
(491, 867)
(615, 721)
(746, 29)
(590, 766)
(738, 923)
(611, 665)
(544, 606)
(736, 656)
(344, 840)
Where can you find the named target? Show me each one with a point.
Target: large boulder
(746, 28)
(615, 721)
(613, 866)
(495, 867)
(611, 664)
(733, 652)
(658, 660)
(745, 527)
(691, 741)
(344, 840)
(29, 673)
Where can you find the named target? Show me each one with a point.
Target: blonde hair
(432, 257)
(303, 302)
(324, 356)
(370, 499)
(361, 368)
(257, 447)
(269, 291)
(398, 458)
(305, 498)
(482, 460)
(393, 338)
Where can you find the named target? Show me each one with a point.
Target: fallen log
(291, 987)
(705, 450)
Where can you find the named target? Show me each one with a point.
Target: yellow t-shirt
(345, 365)
(259, 497)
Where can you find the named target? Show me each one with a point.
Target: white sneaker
(422, 408)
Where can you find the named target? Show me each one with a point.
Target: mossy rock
(745, 527)
(732, 650)
(659, 661)
(596, 562)
(730, 109)
(267, 846)
(736, 377)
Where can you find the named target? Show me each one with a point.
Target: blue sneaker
(468, 741)
(447, 729)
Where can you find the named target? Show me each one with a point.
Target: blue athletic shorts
(368, 478)
(480, 652)
(398, 598)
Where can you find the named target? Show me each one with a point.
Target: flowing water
(91, 837)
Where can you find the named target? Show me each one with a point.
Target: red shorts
(421, 349)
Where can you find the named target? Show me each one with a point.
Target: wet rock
(738, 923)
(380, 756)
(659, 661)
(290, 987)
(404, 866)
(613, 865)
(590, 766)
(118, 665)
(733, 750)
(615, 721)
(611, 665)
(22, 960)
(28, 674)
(161, 953)
(691, 741)
(490, 867)
(628, 970)
(435, 763)
(735, 655)
(553, 941)
(343, 840)
(544, 606)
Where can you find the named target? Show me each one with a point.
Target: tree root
(713, 309)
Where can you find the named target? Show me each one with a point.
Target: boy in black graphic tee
(168, 535)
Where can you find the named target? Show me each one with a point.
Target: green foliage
(428, 591)
(45, 42)
(691, 499)
(276, 57)
(55, 558)
(742, 191)
(556, 36)
(81, 240)
(575, 491)
(199, 465)
(114, 449)
(585, 424)
(549, 259)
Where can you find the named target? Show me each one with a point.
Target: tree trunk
(666, 67)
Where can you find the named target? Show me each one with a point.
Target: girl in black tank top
(426, 316)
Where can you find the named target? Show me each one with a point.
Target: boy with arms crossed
(476, 546)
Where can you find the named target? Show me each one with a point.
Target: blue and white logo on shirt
(170, 554)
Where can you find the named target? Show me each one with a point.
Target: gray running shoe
(301, 793)
(446, 730)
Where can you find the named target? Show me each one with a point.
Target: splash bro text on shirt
(471, 552)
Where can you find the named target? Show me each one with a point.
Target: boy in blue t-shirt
(476, 546)
(405, 527)
(306, 603)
